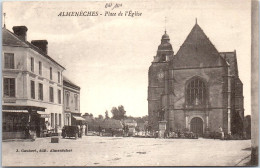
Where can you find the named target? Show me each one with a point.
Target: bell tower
(157, 85)
(165, 51)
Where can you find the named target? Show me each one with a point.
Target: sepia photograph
(130, 83)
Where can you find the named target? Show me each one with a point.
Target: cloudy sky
(109, 56)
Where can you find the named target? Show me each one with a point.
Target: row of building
(35, 93)
(134, 126)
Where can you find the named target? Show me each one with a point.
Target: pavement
(126, 151)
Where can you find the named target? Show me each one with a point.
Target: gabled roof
(197, 51)
(112, 123)
(104, 123)
(231, 58)
(69, 83)
(11, 39)
(129, 120)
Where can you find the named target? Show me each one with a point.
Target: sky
(109, 56)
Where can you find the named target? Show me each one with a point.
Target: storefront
(77, 120)
(17, 120)
(44, 123)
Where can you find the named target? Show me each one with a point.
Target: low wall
(13, 135)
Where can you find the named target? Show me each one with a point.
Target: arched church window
(196, 92)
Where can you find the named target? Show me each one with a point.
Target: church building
(197, 89)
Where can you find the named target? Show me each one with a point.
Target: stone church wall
(215, 119)
(213, 78)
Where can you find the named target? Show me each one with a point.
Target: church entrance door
(196, 126)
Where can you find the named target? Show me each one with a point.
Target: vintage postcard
(128, 83)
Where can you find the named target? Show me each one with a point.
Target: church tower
(197, 89)
(158, 73)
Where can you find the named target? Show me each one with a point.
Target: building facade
(71, 105)
(197, 89)
(32, 85)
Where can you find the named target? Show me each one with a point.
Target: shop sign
(45, 115)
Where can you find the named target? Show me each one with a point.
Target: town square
(129, 83)
(127, 151)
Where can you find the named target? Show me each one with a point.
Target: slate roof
(112, 123)
(129, 121)
(165, 44)
(106, 123)
(197, 51)
(69, 83)
(231, 58)
(11, 39)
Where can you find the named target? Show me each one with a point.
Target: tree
(115, 112)
(118, 113)
(91, 115)
(122, 111)
(86, 114)
(145, 118)
(106, 114)
(100, 117)
(137, 128)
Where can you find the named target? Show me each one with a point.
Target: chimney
(21, 31)
(41, 44)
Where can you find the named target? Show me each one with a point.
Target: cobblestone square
(125, 151)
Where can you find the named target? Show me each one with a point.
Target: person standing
(83, 129)
(78, 130)
(221, 133)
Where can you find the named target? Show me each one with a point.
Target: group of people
(177, 134)
(82, 130)
(187, 134)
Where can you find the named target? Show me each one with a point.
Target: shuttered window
(59, 96)
(9, 60)
(32, 89)
(51, 94)
(76, 102)
(40, 94)
(58, 77)
(50, 73)
(32, 64)
(9, 87)
(40, 68)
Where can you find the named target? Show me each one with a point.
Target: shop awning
(27, 108)
(78, 118)
(15, 111)
(43, 114)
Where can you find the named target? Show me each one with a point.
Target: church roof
(165, 43)
(166, 46)
(197, 51)
(10, 39)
